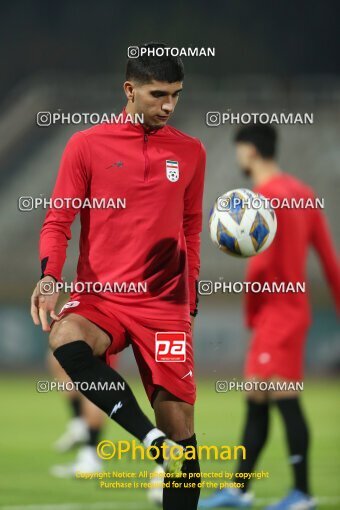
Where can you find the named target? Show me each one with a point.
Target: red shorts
(124, 329)
(277, 348)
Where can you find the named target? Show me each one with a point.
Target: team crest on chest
(172, 170)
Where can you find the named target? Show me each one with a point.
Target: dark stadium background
(280, 56)
(272, 57)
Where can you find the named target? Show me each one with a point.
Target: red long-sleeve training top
(154, 238)
(285, 260)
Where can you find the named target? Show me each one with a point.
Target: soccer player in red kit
(151, 245)
(279, 321)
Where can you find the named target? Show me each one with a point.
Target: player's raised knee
(63, 332)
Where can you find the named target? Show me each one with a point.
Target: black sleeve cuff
(195, 312)
(51, 275)
(43, 267)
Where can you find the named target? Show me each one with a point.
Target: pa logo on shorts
(70, 304)
(172, 170)
(170, 346)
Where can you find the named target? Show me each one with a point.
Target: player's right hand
(43, 302)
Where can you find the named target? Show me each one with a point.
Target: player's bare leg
(74, 326)
(173, 416)
(176, 418)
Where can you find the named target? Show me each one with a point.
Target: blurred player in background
(154, 240)
(83, 430)
(279, 321)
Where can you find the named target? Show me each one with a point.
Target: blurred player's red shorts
(177, 377)
(277, 346)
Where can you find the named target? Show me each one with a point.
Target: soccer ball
(242, 223)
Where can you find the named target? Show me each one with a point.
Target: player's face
(156, 101)
(245, 155)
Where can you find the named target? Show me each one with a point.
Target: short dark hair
(263, 136)
(146, 68)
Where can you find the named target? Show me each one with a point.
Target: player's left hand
(43, 301)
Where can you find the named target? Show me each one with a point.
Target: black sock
(82, 366)
(184, 498)
(158, 443)
(254, 436)
(75, 404)
(298, 440)
(93, 436)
